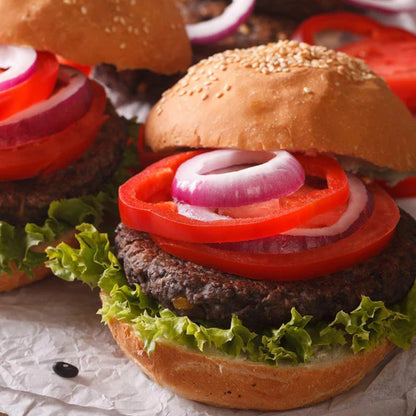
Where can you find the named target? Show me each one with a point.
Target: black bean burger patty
(28, 200)
(259, 28)
(271, 21)
(204, 293)
(300, 9)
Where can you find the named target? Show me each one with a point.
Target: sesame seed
(84, 10)
(281, 57)
(284, 56)
(244, 29)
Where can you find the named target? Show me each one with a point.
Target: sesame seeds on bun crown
(127, 33)
(290, 96)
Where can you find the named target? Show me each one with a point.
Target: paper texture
(56, 321)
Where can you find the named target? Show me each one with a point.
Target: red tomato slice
(55, 152)
(145, 204)
(37, 87)
(358, 247)
(404, 189)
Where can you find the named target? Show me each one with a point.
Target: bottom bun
(241, 384)
(18, 278)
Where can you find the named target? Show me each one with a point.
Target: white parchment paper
(56, 321)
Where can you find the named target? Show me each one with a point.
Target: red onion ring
(201, 181)
(359, 209)
(68, 103)
(221, 26)
(199, 213)
(389, 6)
(19, 64)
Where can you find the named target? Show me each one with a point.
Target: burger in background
(61, 140)
(263, 267)
(134, 92)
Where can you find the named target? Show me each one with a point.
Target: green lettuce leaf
(17, 243)
(295, 341)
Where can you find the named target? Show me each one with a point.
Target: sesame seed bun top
(290, 96)
(127, 33)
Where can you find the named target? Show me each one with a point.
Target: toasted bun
(242, 384)
(127, 33)
(286, 96)
(19, 278)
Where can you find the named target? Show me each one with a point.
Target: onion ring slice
(70, 101)
(201, 180)
(19, 63)
(221, 26)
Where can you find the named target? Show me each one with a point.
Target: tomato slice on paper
(365, 243)
(388, 51)
(55, 152)
(146, 204)
(37, 87)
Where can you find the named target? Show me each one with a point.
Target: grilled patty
(28, 200)
(206, 294)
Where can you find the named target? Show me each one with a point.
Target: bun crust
(128, 34)
(244, 385)
(19, 278)
(286, 96)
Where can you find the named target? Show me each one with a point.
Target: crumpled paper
(55, 320)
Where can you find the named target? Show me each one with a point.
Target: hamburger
(135, 91)
(61, 140)
(238, 290)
